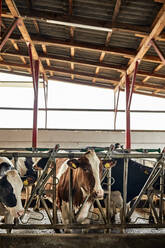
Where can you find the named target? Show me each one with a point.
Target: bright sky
(63, 95)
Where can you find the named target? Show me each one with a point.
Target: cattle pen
(101, 227)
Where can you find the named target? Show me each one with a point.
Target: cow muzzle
(99, 194)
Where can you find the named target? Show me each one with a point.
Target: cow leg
(65, 215)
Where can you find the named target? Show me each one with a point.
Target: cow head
(27, 173)
(10, 188)
(89, 173)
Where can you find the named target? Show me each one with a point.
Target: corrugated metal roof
(88, 41)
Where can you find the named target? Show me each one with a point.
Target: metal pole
(161, 194)
(70, 196)
(125, 178)
(35, 111)
(128, 135)
(108, 197)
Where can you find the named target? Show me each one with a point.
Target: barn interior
(117, 45)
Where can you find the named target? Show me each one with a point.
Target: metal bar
(161, 194)
(158, 50)
(54, 194)
(32, 66)
(127, 133)
(116, 106)
(132, 85)
(70, 196)
(85, 110)
(46, 209)
(108, 214)
(101, 210)
(79, 154)
(35, 111)
(142, 191)
(79, 226)
(8, 32)
(125, 179)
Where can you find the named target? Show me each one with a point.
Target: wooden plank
(22, 28)
(144, 48)
(116, 10)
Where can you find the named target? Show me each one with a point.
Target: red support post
(35, 108)
(128, 132)
(35, 76)
(8, 33)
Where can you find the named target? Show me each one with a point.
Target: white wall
(22, 138)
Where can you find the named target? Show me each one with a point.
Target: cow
(137, 177)
(10, 190)
(87, 171)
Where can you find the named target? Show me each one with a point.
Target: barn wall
(18, 138)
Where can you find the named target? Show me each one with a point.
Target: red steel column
(35, 108)
(35, 75)
(127, 132)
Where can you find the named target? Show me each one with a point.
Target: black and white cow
(10, 190)
(137, 176)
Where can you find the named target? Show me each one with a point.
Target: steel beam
(128, 135)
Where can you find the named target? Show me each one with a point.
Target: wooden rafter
(47, 60)
(102, 55)
(127, 53)
(116, 10)
(22, 28)
(144, 48)
(121, 69)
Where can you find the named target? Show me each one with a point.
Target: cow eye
(86, 169)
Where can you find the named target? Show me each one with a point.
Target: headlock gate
(102, 218)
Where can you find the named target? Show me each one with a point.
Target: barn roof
(87, 42)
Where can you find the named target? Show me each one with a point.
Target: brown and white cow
(86, 182)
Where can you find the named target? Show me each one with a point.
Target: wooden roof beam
(116, 11)
(102, 55)
(159, 26)
(87, 63)
(22, 28)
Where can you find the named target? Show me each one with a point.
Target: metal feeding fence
(103, 220)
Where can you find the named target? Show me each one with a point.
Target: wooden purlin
(22, 28)
(160, 24)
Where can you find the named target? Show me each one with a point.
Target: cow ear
(109, 163)
(73, 163)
